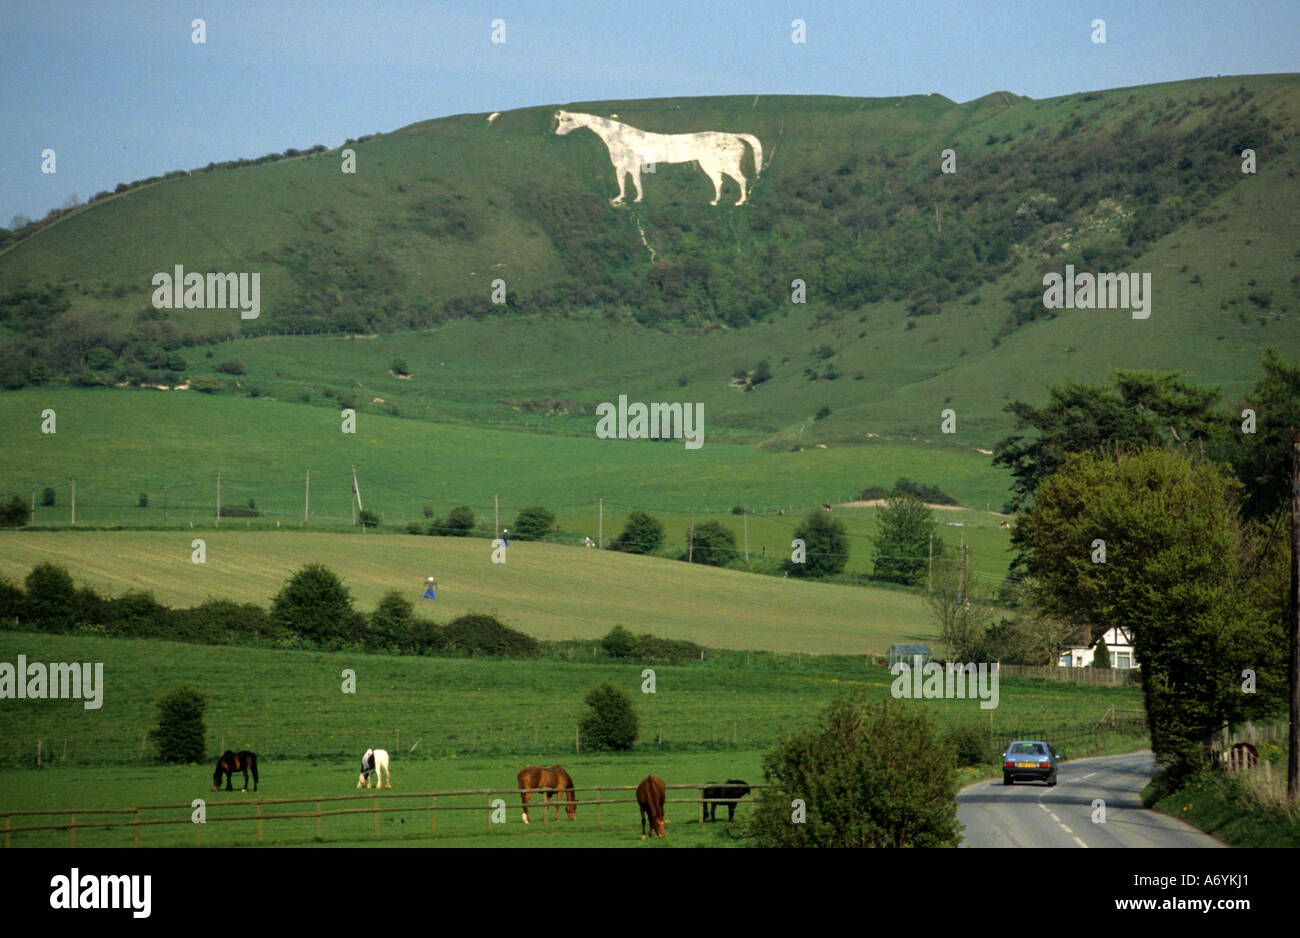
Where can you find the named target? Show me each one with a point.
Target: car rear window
(1033, 749)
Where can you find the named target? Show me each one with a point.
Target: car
(1030, 759)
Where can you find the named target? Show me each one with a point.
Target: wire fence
(496, 809)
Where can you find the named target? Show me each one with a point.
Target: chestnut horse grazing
(650, 796)
(231, 762)
(555, 781)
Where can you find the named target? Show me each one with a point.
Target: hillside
(923, 288)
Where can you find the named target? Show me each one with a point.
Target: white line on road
(1080, 843)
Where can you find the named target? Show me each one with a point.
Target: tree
(610, 721)
(620, 643)
(533, 524)
(642, 534)
(712, 544)
(963, 620)
(398, 367)
(49, 603)
(826, 546)
(365, 517)
(902, 546)
(15, 513)
(180, 735)
(458, 523)
(867, 775)
(314, 604)
(390, 623)
(1262, 460)
(1101, 656)
(1201, 594)
(762, 374)
(47, 497)
(1143, 408)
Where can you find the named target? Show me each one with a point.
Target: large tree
(314, 604)
(1152, 542)
(1262, 458)
(826, 546)
(906, 525)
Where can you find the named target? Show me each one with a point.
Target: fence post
(374, 805)
(318, 820)
(433, 813)
(198, 829)
(598, 794)
(700, 793)
(259, 822)
(72, 830)
(136, 824)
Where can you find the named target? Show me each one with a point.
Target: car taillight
(1008, 765)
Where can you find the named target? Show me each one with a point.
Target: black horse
(231, 762)
(734, 788)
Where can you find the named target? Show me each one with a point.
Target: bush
(367, 518)
(221, 622)
(142, 501)
(11, 603)
(1101, 657)
(533, 524)
(610, 723)
(458, 523)
(206, 384)
(390, 623)
(826, 546)
(14, 513)
(620, 643)
(970, 744)
(398, 367)
(713, 544)
(48, 605)
(856, 789)
(480, 634)
(642, 534)
(427, 638)
(314, 605)
(47, 497)
(180, 734)
(822, 412)
(232, 367)
(136, 614)
(673, 651)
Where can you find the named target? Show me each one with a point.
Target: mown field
(463, 724)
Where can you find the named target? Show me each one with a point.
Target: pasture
(550, 591)
(290, 704)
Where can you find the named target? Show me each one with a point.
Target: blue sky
(120, 92)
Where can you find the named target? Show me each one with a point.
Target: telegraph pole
(745, 517)
(1293, 756)
(690, 540)
(218, 499)
(929, 565)
(600, 526)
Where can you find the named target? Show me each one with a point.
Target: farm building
(1118, 642)
(906, 654)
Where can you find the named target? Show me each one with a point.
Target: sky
(120, 91)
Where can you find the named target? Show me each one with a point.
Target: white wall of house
(1117, 641)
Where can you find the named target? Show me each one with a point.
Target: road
(1029, 814)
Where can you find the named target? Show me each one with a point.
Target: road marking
(1088, 776)
(1043, 806)
(1066, 829)
(1080, 843)
(1053, 817)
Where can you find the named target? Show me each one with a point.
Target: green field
(463, 724)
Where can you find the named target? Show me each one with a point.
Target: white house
(1118, 642)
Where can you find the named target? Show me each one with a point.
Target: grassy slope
(467, 370)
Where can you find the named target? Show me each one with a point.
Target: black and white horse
(375, 762)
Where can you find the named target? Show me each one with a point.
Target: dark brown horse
(650, 796)
(555, 781)
(231, 762)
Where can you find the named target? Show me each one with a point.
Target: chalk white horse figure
(718, 153)
(375, 762)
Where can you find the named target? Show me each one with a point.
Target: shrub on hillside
(14, 513)
(712, 544)
(971, 744)
(180, 733)
(206, 384)
(533, 524)
(222, 622)
(390, 623)
(826, 546)
(11, 603)
(458, 523)
(232, 367)
(427, 638)
(315, 605)
(367, 518)
(481, 634)
(610, 722)
(136, 614)
(47, 497)
(671, 650)
(619, 643)
(642, 534)
(854, 788)
(48, 605)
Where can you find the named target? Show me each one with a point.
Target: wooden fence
(319, 812)
(1111, 677)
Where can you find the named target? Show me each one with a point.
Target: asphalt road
(1029, 814)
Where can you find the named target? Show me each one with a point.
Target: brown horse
(555, 781)
(231, 762)
(650, 796)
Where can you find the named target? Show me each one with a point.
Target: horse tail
(252, 767)
(758, 151)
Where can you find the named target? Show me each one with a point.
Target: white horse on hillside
(718, 153)
(375, 762)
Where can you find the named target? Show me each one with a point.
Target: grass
(289, 704)
(1245, 811)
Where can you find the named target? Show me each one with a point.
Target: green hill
(923, 288)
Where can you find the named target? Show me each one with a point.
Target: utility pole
(929, 565)
(33, 521)
(164, 504)
(306, 499)
(600, 526)
(744, 509)
(496, 518)
(1293, 756)
(74, 502)
(218, 499)
(357, 489)
(690, 541)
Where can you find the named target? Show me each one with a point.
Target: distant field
(289, 704)
(547, 590)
